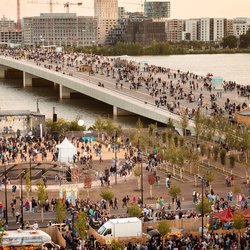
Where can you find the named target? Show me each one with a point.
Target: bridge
(123, 102)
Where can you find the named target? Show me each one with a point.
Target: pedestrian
(17, 216)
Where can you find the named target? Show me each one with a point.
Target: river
(233, 67)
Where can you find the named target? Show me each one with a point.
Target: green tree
(163, 228)
(206, 206)
(198, 121)
(116, 245)
(238, 224)
(134, 210)
(137, 174)
(174, 192)
(223, 154)
(60, 210)
(232, 161)
(215, 152)
(99, 125)
(59, 126)
(230, 42)
(81, 223)
(139, 124)
(107, 195)
(245, 40)
(41, 194)
(184, 121)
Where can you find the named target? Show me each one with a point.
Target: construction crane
(18, 17)
(66, 5)
(50, 2)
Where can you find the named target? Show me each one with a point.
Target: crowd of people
(174, 90)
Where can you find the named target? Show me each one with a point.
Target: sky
(179, 8)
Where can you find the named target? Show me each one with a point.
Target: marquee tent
(246, 213)
(217, 83)
(225, 215)
(66, 151)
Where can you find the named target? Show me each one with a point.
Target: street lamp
(115, 149)
(22, 174)
(140, 160)
(5, 194)
(73, 229)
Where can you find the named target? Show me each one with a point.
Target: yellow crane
(52, 2)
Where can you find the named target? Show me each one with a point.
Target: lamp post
(115, 149)
(140, 160)
(5, 193)
(30, 174)
(22, 223)
(202, 208)
(73, 229)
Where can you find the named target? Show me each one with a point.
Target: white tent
(66, 151)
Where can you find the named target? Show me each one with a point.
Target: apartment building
(190, 32)
(157, 9)
(204, 29)
(174, 29)
(240, 26)
(106, 13)
(60, 29)
(217, 29)
(229, 27)
(7, 25)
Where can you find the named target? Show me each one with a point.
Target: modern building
(174, 30)
(240, 26)
(158, 9)
(7, 25)
(11, 38)
(106, 13)
(228, 27)
(60, 29)
(217, 29)
(144, 31)
(204, 29)
(190, 32)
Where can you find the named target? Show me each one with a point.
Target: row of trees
(233, 42)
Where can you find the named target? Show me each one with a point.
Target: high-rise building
(174, 29)
(190, 32)
(204, 29)
(7, 24)
(106, 12)
(157, 9)
(217, 29)
(228, 27)
(61, 29)
(240, 26)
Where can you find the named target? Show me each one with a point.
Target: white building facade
(240, 26)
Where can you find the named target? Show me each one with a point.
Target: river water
(235, 67)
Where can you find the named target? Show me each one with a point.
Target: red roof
(225, 215)
(246, 213)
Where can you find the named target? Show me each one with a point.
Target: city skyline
(179, 9)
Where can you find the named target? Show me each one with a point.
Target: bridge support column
(27, 80)
(65, 92)
(2, 71)
(120, 112)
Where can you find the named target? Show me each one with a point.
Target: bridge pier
(2, 71)
(65, 92)
(27, 79)
(120, 112)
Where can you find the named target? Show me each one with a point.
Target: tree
(210, 177)
(116, 245)
(215, 152)
(60, 210)
(1, 231)
(81, 223)
(27, 182)
(174, 192)
(232, 161)
(198, 125)
(230, 42)
(137, 174)
(184, 121)
(99, 125)
(41, 194)
(206, 206)
(151, 182)
(139, 124)
(238, 223)
(163, 228)
(245, 40)
(237, 190)
(134, 210)
(107, 195)
(223, 154)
